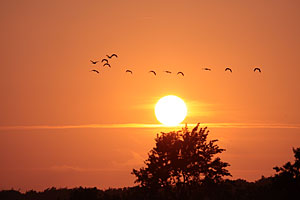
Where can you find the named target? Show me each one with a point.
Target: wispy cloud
(137, 125)
(64, 168)
(200, 109)
(129, 125)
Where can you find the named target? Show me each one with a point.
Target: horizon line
(141, 125)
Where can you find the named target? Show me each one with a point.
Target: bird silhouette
(180, 73)
(107, 65)
(207, 69)
(228, 69)
(104, 60)
(95, 71)
(257, 69)
(129, 71)
(152, 72)
(168, 72)
(94, 62)
(112, 55)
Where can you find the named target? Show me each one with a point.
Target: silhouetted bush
(182, 159)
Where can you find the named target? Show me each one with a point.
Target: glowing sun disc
(170, 110)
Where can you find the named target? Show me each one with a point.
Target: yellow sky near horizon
(46, 86)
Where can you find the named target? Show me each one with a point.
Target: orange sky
(61, 125)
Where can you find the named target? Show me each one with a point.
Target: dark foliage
(265, 188)
(182, 159)
(289, 170)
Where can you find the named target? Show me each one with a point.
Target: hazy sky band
(134, 125)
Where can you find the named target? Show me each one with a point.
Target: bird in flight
(94, 62)
(180, 73)
(152, 72)
(104, 60)
(207, 69)
(168, 72)
(257, 69)
(95, 71)
(107, 65)
(228, 69)
(129, 71)
(112, 55)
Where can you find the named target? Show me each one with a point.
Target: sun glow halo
(170, 110)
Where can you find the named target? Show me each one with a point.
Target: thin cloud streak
(135, 125)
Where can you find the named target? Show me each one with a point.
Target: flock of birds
(105, 62)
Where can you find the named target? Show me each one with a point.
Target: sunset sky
(64, 126)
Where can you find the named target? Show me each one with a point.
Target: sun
(170, 110)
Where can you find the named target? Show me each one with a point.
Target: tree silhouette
(290, 170)
(182, 158)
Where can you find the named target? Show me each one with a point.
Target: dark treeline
(265, 188)
(184, 165)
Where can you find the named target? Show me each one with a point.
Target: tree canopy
(182, 157)
(290, 170)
